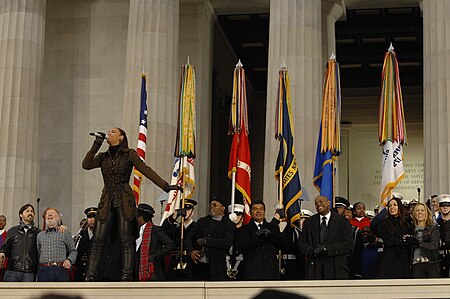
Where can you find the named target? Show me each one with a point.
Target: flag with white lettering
(391, 127)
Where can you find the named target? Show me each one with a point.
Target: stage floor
(362, 289)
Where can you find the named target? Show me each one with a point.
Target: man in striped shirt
(56, 249)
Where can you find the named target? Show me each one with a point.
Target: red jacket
(360, 224)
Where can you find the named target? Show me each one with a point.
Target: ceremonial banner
(391, 127)
(183, 167)
(142, 139)
(329, 141)
(174, 200)
(286, 165)
(239, 168)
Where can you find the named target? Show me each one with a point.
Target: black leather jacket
(21, 250)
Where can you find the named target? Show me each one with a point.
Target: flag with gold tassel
(329, 141)
(286, 168)
(391, 127)
(239, 168)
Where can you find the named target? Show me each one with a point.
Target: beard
(51, 222)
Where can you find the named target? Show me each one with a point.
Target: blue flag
(323, 171)
(286, 163)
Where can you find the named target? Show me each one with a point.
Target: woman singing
(117, 203)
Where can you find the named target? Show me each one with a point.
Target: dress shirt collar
(326, 216)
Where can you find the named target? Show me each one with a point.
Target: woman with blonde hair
(425, 244)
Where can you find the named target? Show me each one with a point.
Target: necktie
(259, 226)
(323, 230)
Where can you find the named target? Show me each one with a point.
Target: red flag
(240, 163)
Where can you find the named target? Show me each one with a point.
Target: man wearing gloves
(325, 240)
(260, 242)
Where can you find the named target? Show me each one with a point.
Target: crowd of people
(403, 240)
(118, 241)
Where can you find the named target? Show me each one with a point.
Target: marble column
(332, 11)
(436, 59)
(21, 62)
(196, 41)
(295, 37)
(152, 44)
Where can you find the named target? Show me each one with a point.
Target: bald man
(325, 240)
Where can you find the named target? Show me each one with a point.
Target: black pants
(126, 235)
(426, 270)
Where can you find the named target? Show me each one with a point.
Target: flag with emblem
(142, 139)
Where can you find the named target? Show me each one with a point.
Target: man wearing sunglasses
(209, 241)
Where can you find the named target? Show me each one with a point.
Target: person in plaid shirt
(56, 249)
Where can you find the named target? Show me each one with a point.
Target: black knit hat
(223, 201)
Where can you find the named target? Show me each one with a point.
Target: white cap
(405, 202)
(397, 195)
(370, 214)
(444, 198)
(305, 213)
(237, 208)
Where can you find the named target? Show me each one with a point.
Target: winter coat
(116, 173)
(260, 252)
(338, 242)
(20, 248)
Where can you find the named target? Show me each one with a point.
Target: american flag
(142, 140)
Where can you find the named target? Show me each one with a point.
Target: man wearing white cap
(444, 228)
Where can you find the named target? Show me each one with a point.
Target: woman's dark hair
(390, 219)
(125, 139)
(23, 208)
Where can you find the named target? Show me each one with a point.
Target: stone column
(152, 44)
(21, 61)
(332, 11)
(196, 41)
(436, 58)
(295, 37)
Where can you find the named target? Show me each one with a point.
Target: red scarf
(146, 268)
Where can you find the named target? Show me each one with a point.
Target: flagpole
(181, 265)
(280, 206)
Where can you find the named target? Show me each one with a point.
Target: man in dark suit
(325, 240)
(260, 242)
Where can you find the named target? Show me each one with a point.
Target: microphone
(38, 200)
(98, 134)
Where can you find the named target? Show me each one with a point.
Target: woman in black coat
(394, 262)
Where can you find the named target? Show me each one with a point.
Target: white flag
(186, 165)
(393, 170)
